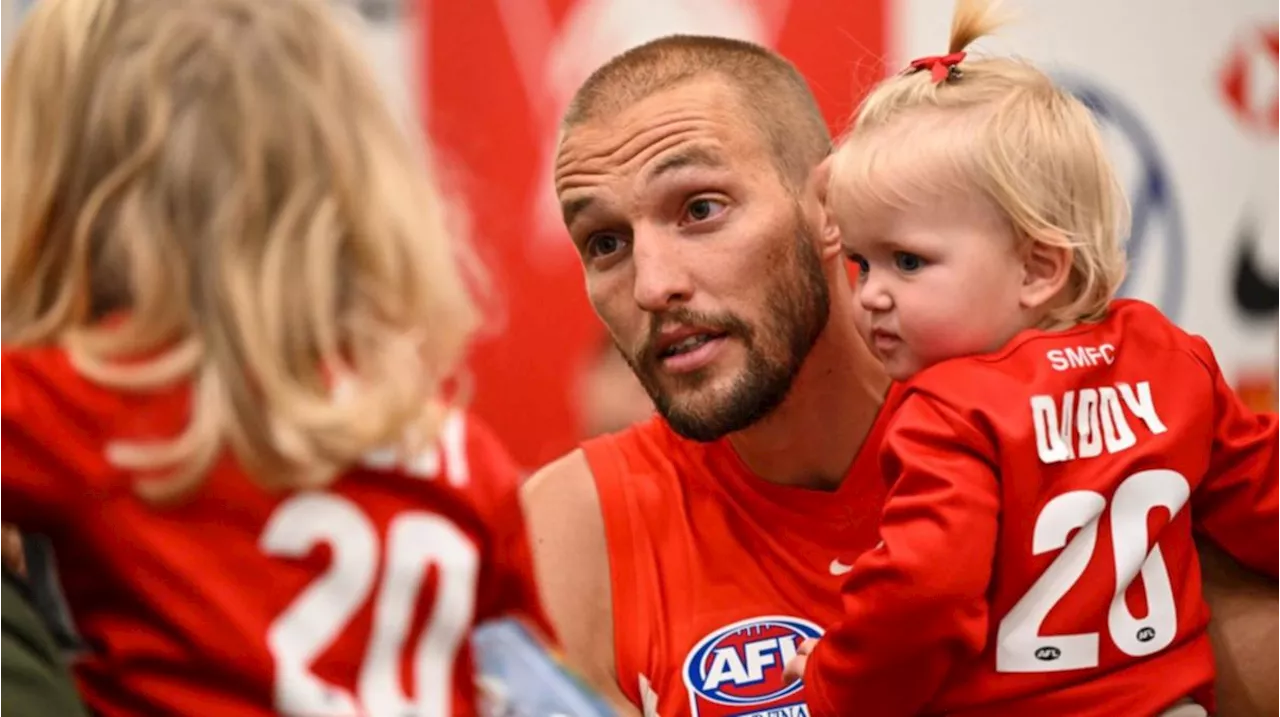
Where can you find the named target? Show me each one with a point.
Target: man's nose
(662, 276)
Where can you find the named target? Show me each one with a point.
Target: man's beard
(797, 310)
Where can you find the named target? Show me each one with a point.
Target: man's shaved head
(773, 94)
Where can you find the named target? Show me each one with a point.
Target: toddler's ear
(1045, 270)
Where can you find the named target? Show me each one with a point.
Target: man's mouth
(688, 344)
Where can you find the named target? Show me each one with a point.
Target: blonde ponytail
(974, 19)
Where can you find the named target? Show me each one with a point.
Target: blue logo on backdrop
(1157, 243)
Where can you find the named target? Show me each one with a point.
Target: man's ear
(1046, 268)
(820, 178)
(825, 222)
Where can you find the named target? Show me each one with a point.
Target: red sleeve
(1236, 504)
(507, 585)
(916, 604)
(39, 490)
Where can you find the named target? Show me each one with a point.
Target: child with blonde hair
(1053, 449)
(230, 301)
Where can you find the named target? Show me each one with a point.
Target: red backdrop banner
(496, 76)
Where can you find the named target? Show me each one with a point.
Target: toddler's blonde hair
(1001, 126)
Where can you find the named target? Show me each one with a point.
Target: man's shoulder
(647, 454)
(566, 478)
(572, 564)
(562, 509)
(652, 435)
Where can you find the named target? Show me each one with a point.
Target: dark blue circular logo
(741, 664)
(1157, 241)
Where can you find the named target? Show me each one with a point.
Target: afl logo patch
(736, 671)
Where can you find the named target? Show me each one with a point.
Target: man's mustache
(723, 323)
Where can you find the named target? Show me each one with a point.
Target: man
(683, 559)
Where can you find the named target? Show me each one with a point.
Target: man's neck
(813, 437)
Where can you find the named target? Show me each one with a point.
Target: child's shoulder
(1133, 332)
(1147, 335)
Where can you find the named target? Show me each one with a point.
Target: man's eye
(601, 245)
(703, 208)
(908, 262)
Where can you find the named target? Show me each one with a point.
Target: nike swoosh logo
(838, 568)
(1256, 295)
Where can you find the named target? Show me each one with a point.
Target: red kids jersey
(718, 575)
(354, 600)
(1037, 553)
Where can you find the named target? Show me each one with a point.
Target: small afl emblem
(1048, 653)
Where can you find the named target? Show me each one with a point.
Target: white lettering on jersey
(1081, 356)
(728, 666)
(1085, 423)
(426, 464)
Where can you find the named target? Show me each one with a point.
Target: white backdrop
(1200, 168)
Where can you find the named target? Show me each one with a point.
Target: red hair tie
(939, 66)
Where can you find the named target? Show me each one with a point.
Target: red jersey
(354, 600)
(1037, 553)
(718, 575)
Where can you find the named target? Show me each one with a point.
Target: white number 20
(415, 541)
(1020, 646)
(320, 614)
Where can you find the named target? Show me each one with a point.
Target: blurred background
(1186, 92)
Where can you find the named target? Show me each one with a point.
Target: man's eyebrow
(695, 156)
(574, 207)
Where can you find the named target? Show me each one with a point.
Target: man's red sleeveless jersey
(1037, 553)
(718, 575)
(354, 600)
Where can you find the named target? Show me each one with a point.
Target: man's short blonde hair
(774, 96)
